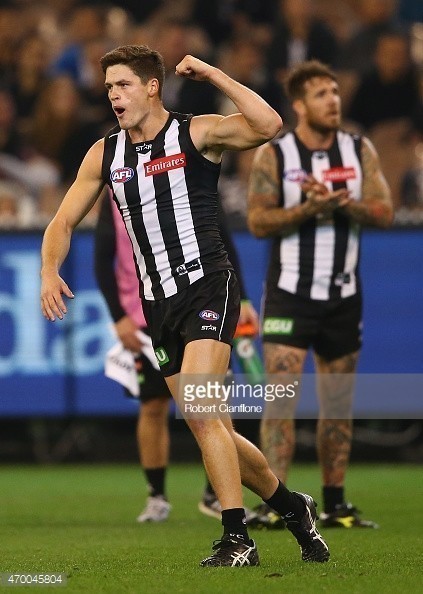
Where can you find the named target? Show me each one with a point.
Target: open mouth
(119, 110)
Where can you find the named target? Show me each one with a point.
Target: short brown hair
(296, 79)
(142, 60)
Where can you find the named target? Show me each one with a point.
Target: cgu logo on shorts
(208, 314)
(278, 326)
(165, 164)
(122, 175)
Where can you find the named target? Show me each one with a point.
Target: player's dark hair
(298, 76)
(142, 60)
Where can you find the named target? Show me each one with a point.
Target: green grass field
(80, 520)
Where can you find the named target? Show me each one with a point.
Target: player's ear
(153, 87)
(299, 107)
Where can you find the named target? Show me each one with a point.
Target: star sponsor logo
(338, 174)
(122, 175)
(209, 327)
(163, 164)
(143, 148)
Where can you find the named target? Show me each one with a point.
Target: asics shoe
(264, 517)
(156, 510)
(232, 551)
(345, 516)
(210, 506)
(313, 547)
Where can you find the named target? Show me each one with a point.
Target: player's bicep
(216, 133)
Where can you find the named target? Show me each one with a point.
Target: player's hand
(126, 330)
(52, 289)
(248, 315)
(321, 199)
(191, 67)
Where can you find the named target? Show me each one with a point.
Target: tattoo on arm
(375, 208)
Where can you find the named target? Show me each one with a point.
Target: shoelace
(224, 543)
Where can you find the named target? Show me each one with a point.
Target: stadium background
(55, 403)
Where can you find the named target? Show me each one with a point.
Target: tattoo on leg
(283, 359)
(334, 438)
(277, 439)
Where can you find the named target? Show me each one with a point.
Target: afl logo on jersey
(208, 314)
(295, 175)
(122, 175)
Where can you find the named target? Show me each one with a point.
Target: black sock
(234, 522)
(209, 489)
(156, 480)
(332, 496)
(286, 503)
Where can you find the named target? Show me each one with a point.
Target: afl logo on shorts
(122, 175)
(208, 314)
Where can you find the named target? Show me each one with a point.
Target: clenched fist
(191, 67)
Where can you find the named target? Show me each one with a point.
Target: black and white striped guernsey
(166, 192)
(320, 259)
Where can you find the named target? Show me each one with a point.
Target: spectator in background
(244, 60)
(11, 141)
(411, 191)
(21, 164)
(375, 17)
(85, 24)
(28, 77)
(11, 24)
(233, 186)
(59, 131)
(96, 105)
(215, 18)
(391, 89)
(17, 209)
(298, 35)
(182, 94)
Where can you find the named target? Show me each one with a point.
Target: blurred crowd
(54, 105)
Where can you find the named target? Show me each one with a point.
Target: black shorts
(209, 308)
(331, 328)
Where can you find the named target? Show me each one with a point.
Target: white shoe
(210, 506)
(156, 510)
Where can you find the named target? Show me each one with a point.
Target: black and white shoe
(263, 517)
(232, 551)
(345, 516)
(313, 547)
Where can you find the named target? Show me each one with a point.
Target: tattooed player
(312, 190)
